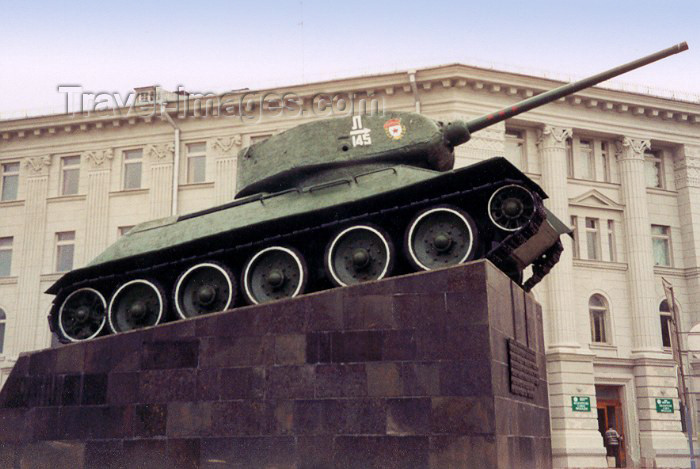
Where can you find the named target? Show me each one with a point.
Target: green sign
(664, 406)
(581, 403)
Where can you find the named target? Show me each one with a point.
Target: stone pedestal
(430, 370)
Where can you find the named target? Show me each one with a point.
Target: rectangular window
(666, 330)
(65, 248)
(132, 169)
(122, 230)
(515, 147)
(587, 164)
(5, 256)
(574, 241)
(70, 175)
(611, 241)
(569, 158)
(593, 238)
(654, 169)
(598, 326)
(605, 161)
(10, 181)
(196, 162)
(661, 244)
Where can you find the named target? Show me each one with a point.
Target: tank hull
(306, 219)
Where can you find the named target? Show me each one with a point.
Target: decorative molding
(97, 158)
(596, 199)
(37, 165)
(687, 169)
(551, 136)
(225, 144)
(161, 152)
(631, 148)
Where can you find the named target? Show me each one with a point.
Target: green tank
(326, 204)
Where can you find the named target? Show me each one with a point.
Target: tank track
(499, 254)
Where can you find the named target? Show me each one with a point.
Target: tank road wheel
(358, 254)
(511, 207)
(274, 273)
(136, 304)
(82, 315)
(440, 237)
(203, 289)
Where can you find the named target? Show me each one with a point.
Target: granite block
(465, 452)
(189, 419)
(314, 452)
(104, 454)
(167, 385)
(150, 420)
(94, 389)
(49, 455)
(165, 354)
(399, 345)
(122, 388)
(208, 384)
(289, 382)
(70, 358)
(245, 383)
(384, 379)
(248, 452)
(183, 453)
(290, 349)
(381, 452)
(462, 415)
(408, 416)
(240, 418)
(145, 454)
(360, 346)
(318, 347)
(341, 380)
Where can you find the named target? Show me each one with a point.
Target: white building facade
(622, 168)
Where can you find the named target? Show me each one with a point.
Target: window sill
(126, 192)
(51, 277)
(591, 182)
(605, 265)
(11, 203)
(602, 346)
(660, 191)
(67, 198)
(8, 280)
(196, 185)
(668, 270)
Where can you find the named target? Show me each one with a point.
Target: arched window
(598, 309)
(665, 316)
(3, 319)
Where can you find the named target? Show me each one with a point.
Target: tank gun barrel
(552, 95)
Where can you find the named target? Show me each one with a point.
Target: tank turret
(326, 204)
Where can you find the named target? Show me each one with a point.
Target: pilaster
(687, 178)
(660, 434)
(161, 185)
(226, 150)
(576, 441)
(640, 272)
(97, 200)
(31, 258)
(562, 317)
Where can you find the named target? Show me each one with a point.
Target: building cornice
(457, 76)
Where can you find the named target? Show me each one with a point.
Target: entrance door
(610, 415)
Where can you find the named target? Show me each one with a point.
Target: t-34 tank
(328, 203)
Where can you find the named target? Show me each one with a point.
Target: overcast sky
(222, 45)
